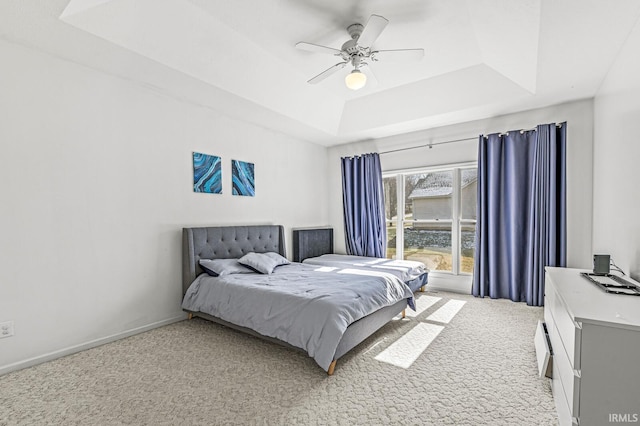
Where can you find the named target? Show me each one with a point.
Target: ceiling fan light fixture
(355, 80)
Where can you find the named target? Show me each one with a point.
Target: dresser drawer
(550, 297)
(569, 332)
(548, 318)
(564, 373)
(562, 408)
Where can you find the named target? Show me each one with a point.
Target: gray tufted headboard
(226, 242)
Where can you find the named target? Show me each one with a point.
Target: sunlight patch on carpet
(422, 304)
(404, 351)
(446, 313)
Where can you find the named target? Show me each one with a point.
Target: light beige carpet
(479, 370)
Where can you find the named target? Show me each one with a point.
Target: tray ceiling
(482, 57)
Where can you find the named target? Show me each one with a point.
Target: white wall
(616, 206)
(579, 117)
(96, 183)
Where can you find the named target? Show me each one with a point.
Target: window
(431, 217)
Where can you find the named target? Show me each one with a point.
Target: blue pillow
(219, 267)
(259, 261)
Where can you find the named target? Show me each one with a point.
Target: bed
(295, 305)
(314, 246)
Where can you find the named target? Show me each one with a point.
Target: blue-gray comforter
(303, 305)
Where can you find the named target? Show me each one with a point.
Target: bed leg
(190, 315)
(422, 289)
(332, 367)
(404, 313)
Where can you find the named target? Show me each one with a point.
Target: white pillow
(259, 261)
(279, 259)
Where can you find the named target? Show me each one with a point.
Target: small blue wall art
(243, 178)
(207, 173)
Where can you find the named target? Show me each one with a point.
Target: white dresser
(595, 339)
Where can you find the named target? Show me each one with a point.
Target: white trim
(87, 345)
(441, 281)
(430, 220)
(430, 169)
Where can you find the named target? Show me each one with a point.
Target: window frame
(456, 215)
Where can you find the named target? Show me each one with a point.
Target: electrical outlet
(6, 329)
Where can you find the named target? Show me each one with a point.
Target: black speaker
(601, 264)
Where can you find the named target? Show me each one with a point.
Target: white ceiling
(482, 57)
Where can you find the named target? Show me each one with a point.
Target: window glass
(390, 187)
(468, 193)
(468, 207)
(390, 197)
(391, 240)
(467, 246)
(428, 196)
(425, 212)
(429, 243)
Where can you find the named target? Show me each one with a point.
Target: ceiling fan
(359, 52)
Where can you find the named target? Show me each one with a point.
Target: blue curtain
(363, 199)
(521, 222)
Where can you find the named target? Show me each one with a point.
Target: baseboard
(447, 289)
(448, 282)
(88, 345)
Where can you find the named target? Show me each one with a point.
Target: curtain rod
(432, 144)
(558, 125)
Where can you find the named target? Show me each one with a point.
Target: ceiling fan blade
(372, 81)
(326, 73)
(398, 55)
(375, 25)
(316, 48)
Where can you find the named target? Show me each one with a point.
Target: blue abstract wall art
(207, 173)
(243, 178)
